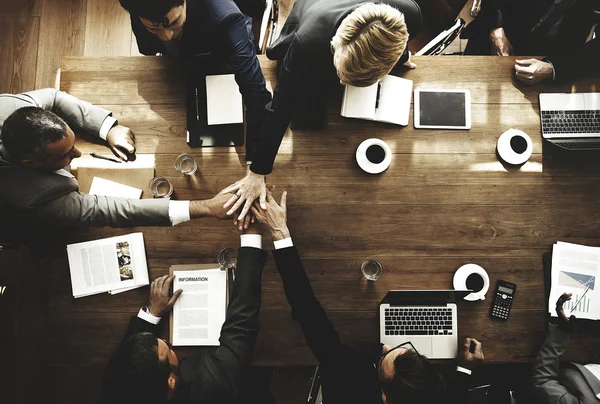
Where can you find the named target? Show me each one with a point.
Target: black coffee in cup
(475, 282)
(375, 154)
(518, 144)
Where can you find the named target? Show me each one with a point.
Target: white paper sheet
(104, 187)
(199, 313)
(574, 269)
(359, 102)
(223, 100)
(108, 264)
(394, 100)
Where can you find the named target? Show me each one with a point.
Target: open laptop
(426, 318)
(571, 121)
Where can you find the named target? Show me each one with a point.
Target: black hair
(154, 10)
(415, 381)
(135, 374)
(28, 131)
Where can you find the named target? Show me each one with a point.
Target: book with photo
(388, 101)
(112, 265)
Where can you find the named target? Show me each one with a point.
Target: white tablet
(442, 109)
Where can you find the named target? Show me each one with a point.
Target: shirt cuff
(284, 243)
(464, 370)
(107, 125)
(248, 162)
(553, 71)
(179, 212)
(148, 317)
(251, 240)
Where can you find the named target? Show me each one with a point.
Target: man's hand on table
(213, 207)
(121, 140)
(532, 71)
(467, 359)
(500, 45)
(160, 301)
(409, 63)
(565, 323)
(274, 217)
(245, 192)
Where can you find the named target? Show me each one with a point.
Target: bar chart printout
(574, 270)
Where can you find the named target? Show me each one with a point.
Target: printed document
(199, 313)
(111, 264)
(574, 270)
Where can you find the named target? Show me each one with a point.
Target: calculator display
(505, 290)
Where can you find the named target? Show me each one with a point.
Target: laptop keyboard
(569, 122)
(414, 320)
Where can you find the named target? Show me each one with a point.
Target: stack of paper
(113, 265)
(574, 270)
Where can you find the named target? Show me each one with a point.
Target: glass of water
(160, 187)
(227, 258)
(185, 163)
(371, 269)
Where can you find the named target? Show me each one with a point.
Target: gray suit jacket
(571, 383)
(55, 199)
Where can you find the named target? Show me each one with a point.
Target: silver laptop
(426, 318)
(571, 121)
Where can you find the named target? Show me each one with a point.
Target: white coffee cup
(463, 273)
(374, 156)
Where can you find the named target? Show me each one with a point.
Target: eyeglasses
(379, 359)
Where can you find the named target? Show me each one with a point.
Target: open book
(199, 313)
(574, 270)
(388, 100)
(113, 265)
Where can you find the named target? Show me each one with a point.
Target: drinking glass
(371, 269)
(185, 163)
(227, 257)
(160, 187)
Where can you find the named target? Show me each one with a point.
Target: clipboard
(197, 267)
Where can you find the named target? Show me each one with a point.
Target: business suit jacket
(307, 64)
(53, 198)
(347, 373)
(219, 28)
(216, 376)
(570, 383)
(563, 41)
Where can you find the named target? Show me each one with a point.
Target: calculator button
(504, 296)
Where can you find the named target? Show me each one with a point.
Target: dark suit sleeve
(137, 325)
(148, 43)
(279, 111)
(224, 368)
(583, 60)
(458, 387)
(320, 335)
(237, 29)
(546, 385)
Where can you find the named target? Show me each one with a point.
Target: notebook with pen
(215, 111)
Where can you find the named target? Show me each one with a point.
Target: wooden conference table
(444, 201)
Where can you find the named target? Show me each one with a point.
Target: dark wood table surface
(444, 201)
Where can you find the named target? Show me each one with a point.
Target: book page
(359, 102)
(394, 100)
(199, 313)
(101, 186)
(108, 264)
(574, 270)
(223, 100)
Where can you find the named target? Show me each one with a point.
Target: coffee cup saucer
(368, 166)
(459, 282)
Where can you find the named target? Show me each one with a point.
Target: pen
(99, 156)
(580, 299)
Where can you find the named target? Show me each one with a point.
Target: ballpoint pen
(580, 299)
(99, 156)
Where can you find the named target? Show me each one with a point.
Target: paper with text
(109, 264)
(200, 311)
(574, 270)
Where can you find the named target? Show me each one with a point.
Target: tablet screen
(442, 108)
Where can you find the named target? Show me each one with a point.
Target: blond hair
(368, 43)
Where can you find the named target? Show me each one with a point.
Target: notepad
(104, 187)
(388, 101)
(223, 100)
